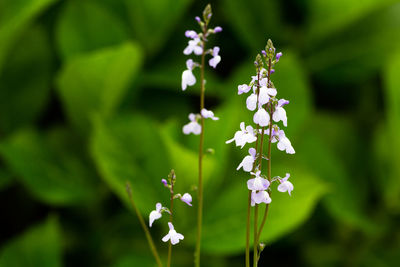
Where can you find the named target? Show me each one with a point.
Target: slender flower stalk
(171, 207)
(144, 226)
(197, 45)
(268, 109)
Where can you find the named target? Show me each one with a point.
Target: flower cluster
(157, 213)
(268, 109)
(197, 46)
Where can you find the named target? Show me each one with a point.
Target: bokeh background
(90, 97)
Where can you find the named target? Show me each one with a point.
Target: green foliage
(48, 166)
(90, 97)
(39, 246)
(25, 98)
(96, 82)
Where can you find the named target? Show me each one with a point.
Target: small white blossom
(285, 184)
(260, 197)
(172, 235)
(265, 94)
(251, 102)
(187, 198)
(280, 113)
(155, 214)
(258, 183)
(188, 78)
(261, 117)
(208, 114)
(248, 161)
(243, 88)
(216, 58)
(193, 126)
(194, 46)
(284, 143)
(191, 34)
(244, 136)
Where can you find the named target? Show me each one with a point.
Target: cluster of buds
(157, 213)
(268, 109)
(197, 46)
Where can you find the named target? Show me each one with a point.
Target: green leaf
(15, 16)
(96, 82)
(25, 83)
(39, 246)
(387, 141)
(359, 51)
(251, 24)
(224, 227)
(153, 20)
(81, 28)
(327, 17)
(129, 148)
(49, 166)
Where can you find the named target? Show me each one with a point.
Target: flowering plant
(269, 109)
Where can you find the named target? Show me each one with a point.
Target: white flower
(193, 126)
(280, 113)
(216, 58)
(260, 197)
(251, 102)
(191, 34)
(284, 143)
(208, 114)
(258, 183)
(285, 185)
(188, 78)
(244, 136)
(265, 94)
(155, 214)
(172, 235)
(187, 198)
(243, 88)
(261, 117)
(194, 46)
(248, 161)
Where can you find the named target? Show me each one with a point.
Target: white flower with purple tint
(265, 94)
(193, 126)
(191, 34)
(285, 185)
(260, 197)
(187, 198)
(155, 214)
(216, 58)
(172, 235)
(208, 114)
(194, 46)
(165, 183)
(261, 117)
(258, 183)
(248, 161)
(284, 143)
(188, 78)
(244, 88)
(251, 102)
(280, 113)
(244, 136)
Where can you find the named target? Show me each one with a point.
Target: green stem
(200, 186)
(270, 111)
(170, 219)
(255, 249)
(144, 226)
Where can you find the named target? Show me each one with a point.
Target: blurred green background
(90, 97)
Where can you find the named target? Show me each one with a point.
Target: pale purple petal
(217, 29)
(244, 88)
(187, 198)
(213, 62)
(261, 117)
(251, 102)
(278, 56)
(188, 79)
(191, 34)
(280, 115)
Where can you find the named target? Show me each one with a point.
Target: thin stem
(200, 186)
(144, 226)
(170, 219)
(255, 250)
(270, 111)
